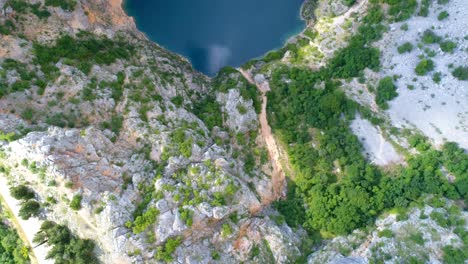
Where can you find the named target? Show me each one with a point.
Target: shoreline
(288, 38)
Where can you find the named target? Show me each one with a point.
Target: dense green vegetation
(67, 5)
(337, 188)
(340, 189)
(12, 248)
(7, 27)
(65, 246)
(29, 206)
(27, 77)
(208, 110)
(23, 7)
(461, 73)
(143, 221)
(97, 50)
(401, 9)
(455, 161)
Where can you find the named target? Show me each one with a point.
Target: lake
(216, 33)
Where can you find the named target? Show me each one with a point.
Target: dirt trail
(277, 177)
(355, 8)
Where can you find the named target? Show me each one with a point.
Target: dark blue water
(216, 33)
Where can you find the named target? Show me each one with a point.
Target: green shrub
(165, 253)
(226, 230)
(352, 60)
(292, 209)
(143, 221)
(215, 255)
(417, 238)
(461, 73)
(424, 66)
(209, 110)
(437, 77)
(29, 209)
(116, 123)
(75, 203)
(442, 15)
(386, 233)
(187, 216)
(429, 37)
(8, 136)
(86, 47)
(386, 91)
(273, 55)
(67, 5)
(424, 8)
(406, 47)
(39, 11)
(178, 100)
(439, 218)
(65, 246)
(27, 114)
(19, 6)
(454, 255)
(7, 27)
(401, 9)
(22, 192)
(447, 46)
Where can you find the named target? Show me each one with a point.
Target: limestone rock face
(233, 106)
(162, 155)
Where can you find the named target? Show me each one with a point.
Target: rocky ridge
(161, 154)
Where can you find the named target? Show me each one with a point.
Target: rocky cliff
(129, 146)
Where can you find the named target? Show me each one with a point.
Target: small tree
(28, 209)
(424, 66)
(386, 91)
(165, 253)
(21, 192)
(461, 73)
(75, 203)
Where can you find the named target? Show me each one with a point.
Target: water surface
(217, 33)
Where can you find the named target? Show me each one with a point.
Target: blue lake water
(216, 33)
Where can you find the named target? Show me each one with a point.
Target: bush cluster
(164, 253)
(386, 91)
(461, 73)
(29, 206)
(65, 246)
(337, 189)
(424, 66)
(67, 5)
(12, 248)
(82, 52)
